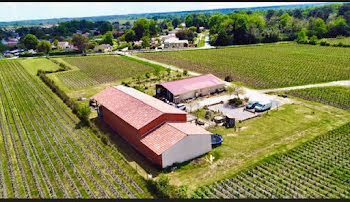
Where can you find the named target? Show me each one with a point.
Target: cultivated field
(267, 65)
(94, 70)
(43, 154)
(317, 169)
(334, 96)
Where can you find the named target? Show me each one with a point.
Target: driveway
(238, 112)
(333, 83)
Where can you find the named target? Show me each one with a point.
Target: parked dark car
(181, 106)
(251, 105)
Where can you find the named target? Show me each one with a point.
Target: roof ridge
(175, 127)
(139, 99)
(186, 78)
(144, 101)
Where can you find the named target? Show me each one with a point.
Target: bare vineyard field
(265, 66)
(43, 155)
(317, 169)
(94, 70)
(335, 96)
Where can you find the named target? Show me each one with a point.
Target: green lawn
(273, 132)
(264, 65)
(32, 65)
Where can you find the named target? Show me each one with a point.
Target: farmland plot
(334, 96)
(266, 66)
(43, 155)
(96, 70)
(317, 169)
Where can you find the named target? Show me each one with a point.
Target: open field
(334, 96)
(34, 64)
(44, 155)
(274, 132)
(317, 169)
(265, 66)
(95, 70)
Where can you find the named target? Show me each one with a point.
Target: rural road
(333, 83)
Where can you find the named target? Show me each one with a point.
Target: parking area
(239, 113)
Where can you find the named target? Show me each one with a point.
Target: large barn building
(157, 130)
(183, 89)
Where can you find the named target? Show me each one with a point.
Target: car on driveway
(262, 107)
(251, 105)
(181, 106)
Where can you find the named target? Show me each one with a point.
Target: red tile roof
(168, 134)
(190, 84)
(134, 107)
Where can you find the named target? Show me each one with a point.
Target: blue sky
(45, 10)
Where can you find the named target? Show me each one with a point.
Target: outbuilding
(183, 89)
(157, 130)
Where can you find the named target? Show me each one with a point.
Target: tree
(175, 22)
(302, 37)
(55, 42)
(284, 19)
(108, 38)
(80, 41)
(44, 46)
(145, 42)
(130, 35)
(153, 28)
(105, 27)
(30, 41)
(317, 27)
(344, 10)
(185, 35)
(141, 28)
(338, 27)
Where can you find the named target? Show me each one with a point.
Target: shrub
(185, 72)
(313, 40)
(163, 189)
(235, 101)
(228, 78)
(324, 43)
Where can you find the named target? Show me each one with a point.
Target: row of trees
(245, 27)
(66, 28)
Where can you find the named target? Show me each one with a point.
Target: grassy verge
(155, 66)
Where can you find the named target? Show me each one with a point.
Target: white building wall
(204, 91)
(186, 149)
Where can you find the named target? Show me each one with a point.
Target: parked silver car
(262, 107)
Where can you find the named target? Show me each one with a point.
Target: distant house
(10, 41)
(103, 48)
(183, 89)
(64, 45)
(183, 25)
(157, 130)
(175, 43)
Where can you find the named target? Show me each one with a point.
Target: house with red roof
(183, 89)
(157, 130)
